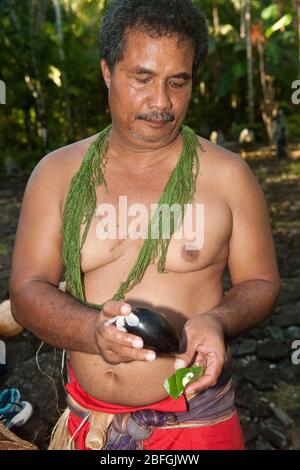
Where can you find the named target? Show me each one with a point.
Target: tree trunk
(62, 56)
(262, 69)
(248, 21)
(34, 84)
(214, 60)
(243, 20)
(28, 127)
(37, 85)
(268, 107)
(216, 19)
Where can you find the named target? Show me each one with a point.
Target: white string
(52, 381)
(63, 357)
(77, 430)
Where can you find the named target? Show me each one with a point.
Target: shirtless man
(149, 86)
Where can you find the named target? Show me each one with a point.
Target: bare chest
(120, 225)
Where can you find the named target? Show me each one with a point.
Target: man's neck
(139, 158)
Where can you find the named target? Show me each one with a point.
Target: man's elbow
(274, 289)
(276, 286)
(17, 314)
(15, 296)
(277, 290)
(20, 295)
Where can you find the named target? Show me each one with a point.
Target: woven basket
(9, 441)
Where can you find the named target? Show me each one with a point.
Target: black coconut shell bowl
(156, 331)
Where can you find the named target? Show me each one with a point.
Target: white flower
(121, 321)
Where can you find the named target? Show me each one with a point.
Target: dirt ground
(267, 383)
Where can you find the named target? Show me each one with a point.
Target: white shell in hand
(111, 321)
(120, 323)
(120, 320)
(132, 320)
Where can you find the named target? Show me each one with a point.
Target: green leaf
(225, 29)
(270, 13)
(176, 384)
(282, 23)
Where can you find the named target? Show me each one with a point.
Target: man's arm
(37, 303)
(252, 259)
(254, 275)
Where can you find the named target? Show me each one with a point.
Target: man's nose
(160, 98)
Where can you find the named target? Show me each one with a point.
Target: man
(150, 53)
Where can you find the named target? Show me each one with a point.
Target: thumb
(113, 308)
(183, 360)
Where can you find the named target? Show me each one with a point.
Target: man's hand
(117, 346)
(205, 345)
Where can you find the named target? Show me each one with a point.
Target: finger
(201, 385)
(127, 354)
(214, 367)
(111, 321)
(112, 308)
(120, 338)
(185, 359)
(200, 361)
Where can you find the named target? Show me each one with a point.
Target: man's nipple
(190, 253)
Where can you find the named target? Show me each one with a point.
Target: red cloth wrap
(226, 435)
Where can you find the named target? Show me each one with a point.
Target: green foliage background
(55, 92)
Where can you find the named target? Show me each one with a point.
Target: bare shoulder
(227, 171)
(55, 170)
(220, 158)
(65, 161)
(49, 182)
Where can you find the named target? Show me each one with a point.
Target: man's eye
(177, 85)
(142, 80)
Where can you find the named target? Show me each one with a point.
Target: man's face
(150, 89)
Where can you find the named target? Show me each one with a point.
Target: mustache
(154, 116)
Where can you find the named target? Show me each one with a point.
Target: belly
(131, 384)
(177, 295)
(141, 383)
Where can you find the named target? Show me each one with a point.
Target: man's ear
(106, 73)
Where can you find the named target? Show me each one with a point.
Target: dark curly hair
(155, 17)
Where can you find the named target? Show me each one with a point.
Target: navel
(110, 374)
